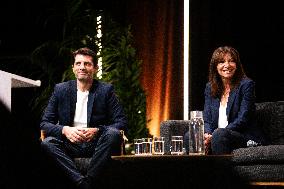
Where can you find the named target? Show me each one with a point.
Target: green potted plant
(122, 68)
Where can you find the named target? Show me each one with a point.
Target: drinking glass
(159, 145)
(138, 146)
(147, 146)
(177, 145)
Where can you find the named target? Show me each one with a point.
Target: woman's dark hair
(215, 80)
(88, 52)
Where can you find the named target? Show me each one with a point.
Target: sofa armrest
(171, 128)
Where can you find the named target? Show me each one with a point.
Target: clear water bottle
(196, 133)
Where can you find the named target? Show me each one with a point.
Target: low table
(172, 157)
(177, 171)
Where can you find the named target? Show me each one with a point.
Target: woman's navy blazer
(240, 111)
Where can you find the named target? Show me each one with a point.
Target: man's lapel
(91, 99)
(73, 100)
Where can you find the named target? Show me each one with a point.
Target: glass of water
(138, 146)
(147, 146)
(177, 145)
(159, 145)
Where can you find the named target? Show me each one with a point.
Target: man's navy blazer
(103, 108)
(240, 111)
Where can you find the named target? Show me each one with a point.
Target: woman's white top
(80, 118)
(223, 121)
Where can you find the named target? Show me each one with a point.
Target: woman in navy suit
(229, 106)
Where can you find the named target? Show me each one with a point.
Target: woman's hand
(207, 143)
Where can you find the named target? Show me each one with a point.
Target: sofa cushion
(270, 118)
(271, 154)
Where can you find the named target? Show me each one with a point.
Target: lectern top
(19, 81)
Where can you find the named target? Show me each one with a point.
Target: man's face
(84, 68)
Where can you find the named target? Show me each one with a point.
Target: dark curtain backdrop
(254, 28)
(158, 31)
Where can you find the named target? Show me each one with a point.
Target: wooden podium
(9, 81)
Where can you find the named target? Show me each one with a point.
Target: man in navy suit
(83, 118)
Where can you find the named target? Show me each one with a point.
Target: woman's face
(227, 67)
